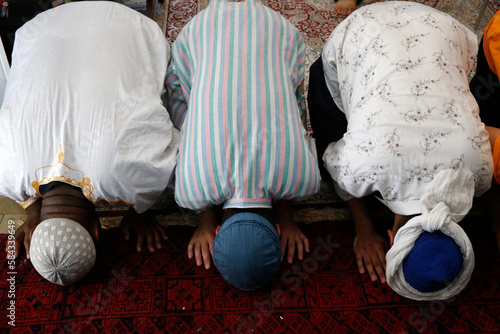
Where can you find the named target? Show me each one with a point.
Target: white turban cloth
(447, 203)
(62, 251)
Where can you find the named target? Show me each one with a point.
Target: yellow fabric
(27, 203)
(491, 42)
(496, 160)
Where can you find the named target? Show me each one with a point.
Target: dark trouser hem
(328, 122)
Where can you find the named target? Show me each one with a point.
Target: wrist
(364, 227)
(207, 219)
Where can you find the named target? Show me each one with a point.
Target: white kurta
(399, 72)
(83, 106)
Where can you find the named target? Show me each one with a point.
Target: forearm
(283, 212)
(360, 216)
(207, 219)
(369, 247)
(24, 232)
(33, 211)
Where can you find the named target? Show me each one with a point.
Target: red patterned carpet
(164, 292)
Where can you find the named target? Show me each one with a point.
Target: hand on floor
(370, 249)
(146, 229)
(202, 242)
(293, 238)
(201, 245)
(345, 7)
(23, 237)
(25, 231)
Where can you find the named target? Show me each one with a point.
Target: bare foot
(345, 7)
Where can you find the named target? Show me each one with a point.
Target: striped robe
(234, 94)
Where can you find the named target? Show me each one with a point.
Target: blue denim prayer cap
(433, 263)
(247, 251)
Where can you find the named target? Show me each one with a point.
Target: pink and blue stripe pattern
(234, 82)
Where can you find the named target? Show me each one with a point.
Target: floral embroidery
(340, 170)
(412, 40)
(345, 87)
(378, 46)
(366, 148)
(475, 142)
(393, 143)
(430, 21)
(368, 76)
(367, 14)
(408, 64)
(417, 116)
(359, 59)
(456, 27)
(357, 35)
(398, 25)
(452, 44)
(400, 9)
(471, 63)
(433, 140)
(458, 163)
(483, 175)
(370, 120)
(421, 173)
(462, 90)
(389, 194)
(382, 91)
(422, 87)
(362, 101)
(371, 177)
(451, 112)
(341, 59)
(442, 62)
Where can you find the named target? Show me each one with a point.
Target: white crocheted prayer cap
(447, 203)
(62, 251)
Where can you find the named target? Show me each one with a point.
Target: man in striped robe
(235, 94)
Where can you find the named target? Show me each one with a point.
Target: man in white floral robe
(397, 72)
